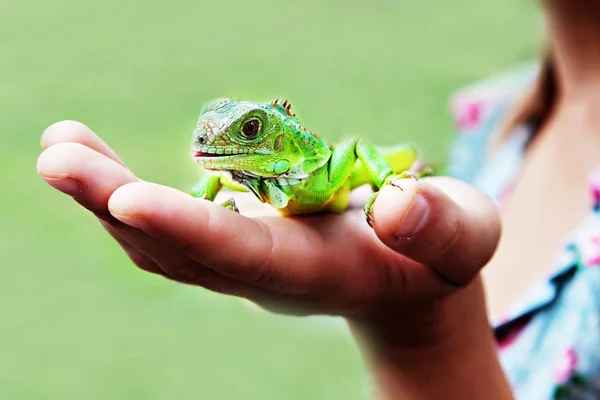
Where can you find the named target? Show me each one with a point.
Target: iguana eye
(251, 128)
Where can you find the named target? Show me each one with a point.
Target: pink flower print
(595, 190)
(594, 183)
(565, 366)
(590, 250)
(470, 115)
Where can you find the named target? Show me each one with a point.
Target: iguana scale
(264, 149)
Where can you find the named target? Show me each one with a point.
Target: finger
(140, 259)
(89, 177)
(73, 131)
(242, 248)
(440, 222)
(96, 177)
(151, 255)
(76, 132)
(86, 175)
(155, 256)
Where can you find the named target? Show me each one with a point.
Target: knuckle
(455, 265)
(188, 271)
(261, 275)
(454, 230)
(264, 273)
(144, 263)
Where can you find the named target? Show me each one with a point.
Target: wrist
(443, 349)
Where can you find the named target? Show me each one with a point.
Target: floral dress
(549, 343)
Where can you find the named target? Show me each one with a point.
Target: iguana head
(260, 140)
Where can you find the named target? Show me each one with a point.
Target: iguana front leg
(209, 187)
(344, 157)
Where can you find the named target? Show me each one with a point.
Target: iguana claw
(369, 218)
(368, 209)
(392, 181)
(230, 205)
(406, 174)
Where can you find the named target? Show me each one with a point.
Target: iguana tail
(401, 158)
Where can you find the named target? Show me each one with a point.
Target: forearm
(452, 354)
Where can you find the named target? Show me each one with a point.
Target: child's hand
(411, 279)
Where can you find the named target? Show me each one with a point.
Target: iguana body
(263, 148)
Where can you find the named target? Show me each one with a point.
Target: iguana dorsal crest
(285, 105)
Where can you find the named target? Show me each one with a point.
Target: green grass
(78, 321)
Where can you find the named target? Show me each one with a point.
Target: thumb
(443, 223)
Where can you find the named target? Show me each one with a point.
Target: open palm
(428, 240)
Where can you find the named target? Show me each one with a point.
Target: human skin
(409, 287)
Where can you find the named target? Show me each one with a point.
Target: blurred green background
(78, 320)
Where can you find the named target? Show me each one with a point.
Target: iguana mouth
(199, 154)
(229, 151)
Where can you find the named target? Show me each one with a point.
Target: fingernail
(414, 218)
(66, 185)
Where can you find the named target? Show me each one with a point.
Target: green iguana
(263, 148)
